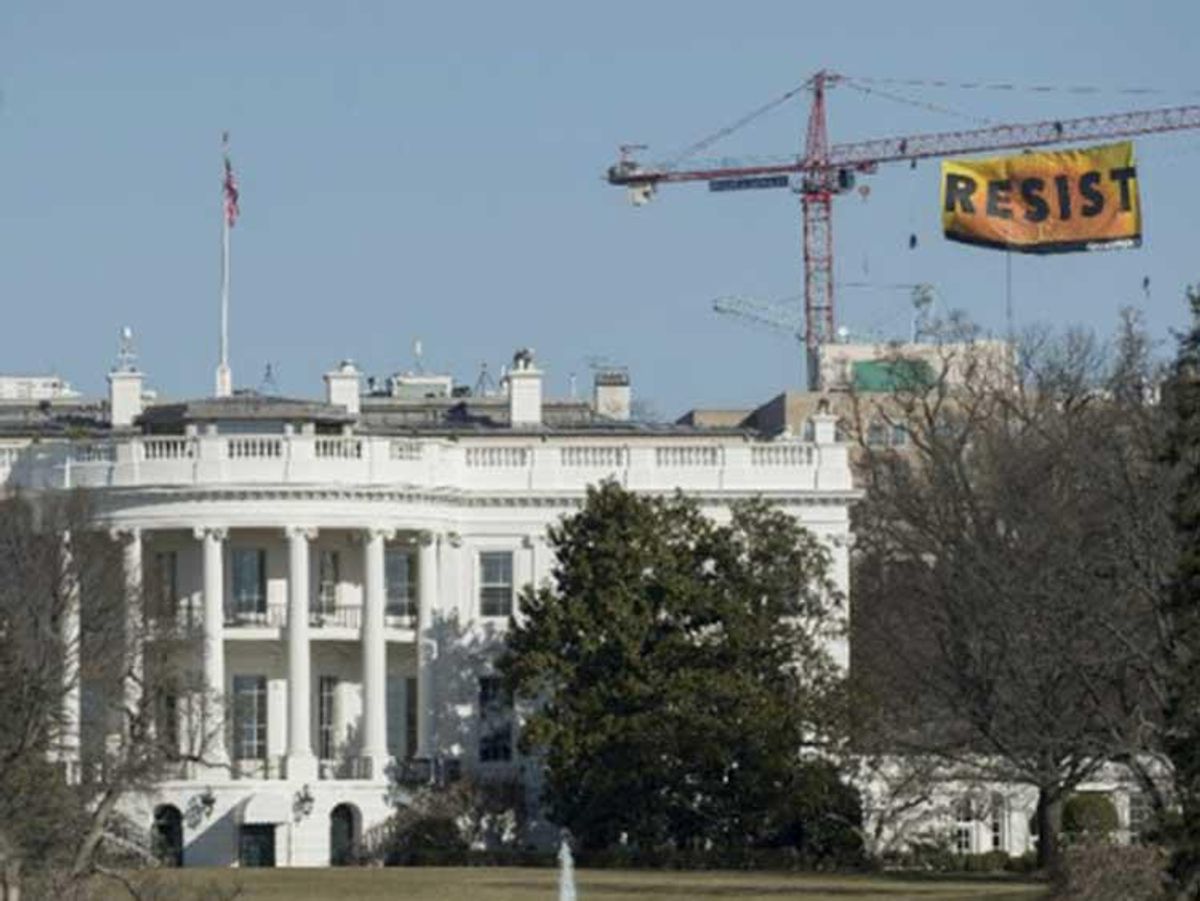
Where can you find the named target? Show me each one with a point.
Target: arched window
(168, 836)
(343, 835)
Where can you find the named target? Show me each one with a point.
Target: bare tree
(76, 644)
(1010, 563)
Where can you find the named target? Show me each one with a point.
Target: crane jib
(749, 183)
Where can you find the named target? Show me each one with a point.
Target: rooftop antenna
(418, 353)
(126, 353)
(572, 387)
(269, 385)
(922, 301)
(485, 385)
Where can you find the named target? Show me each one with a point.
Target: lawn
(511, 884)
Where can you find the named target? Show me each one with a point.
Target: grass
(511, 884)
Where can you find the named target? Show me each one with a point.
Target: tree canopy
(675, 669)
(1010, 563)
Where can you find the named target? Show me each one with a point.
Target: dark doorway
(168, 836)
(342, 837)
(256, 845)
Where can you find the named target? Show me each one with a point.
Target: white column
(135, 626)
(427, 593)
(72, 695)
(301, 762)
(374, 654)
(210, 743)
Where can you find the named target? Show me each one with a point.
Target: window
(327, 581)
(166, 721)
(395, 716)
(899, 435)
(164, 596)
(326, 734)
(876, 434)
(1141, 816)
(999, 808)
(495, 721)
(402, 717)
(410, 717)
(401, 585)
(249, 567)
(495, 583)
(964, 817)
(250, 717)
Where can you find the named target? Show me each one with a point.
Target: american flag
(231, 188)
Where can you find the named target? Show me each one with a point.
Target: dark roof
(244, 406)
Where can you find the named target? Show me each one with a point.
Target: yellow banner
(1085, 199)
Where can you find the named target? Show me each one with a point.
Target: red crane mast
(826, 171)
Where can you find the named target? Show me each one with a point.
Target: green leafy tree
(676, 669)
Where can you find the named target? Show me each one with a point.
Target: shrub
(1089, 815)
(1103, 872)
(821, 821)
(425, 841)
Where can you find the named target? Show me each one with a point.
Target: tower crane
(780, 316)
(826, 170)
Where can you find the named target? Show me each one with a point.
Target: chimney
(612, 394)
(341, 387)
(125, 385)
(524, 390)
(824, 424)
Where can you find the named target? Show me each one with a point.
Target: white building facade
(349, 567)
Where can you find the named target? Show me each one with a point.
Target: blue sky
(433, 171)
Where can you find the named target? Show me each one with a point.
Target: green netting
(890, 375)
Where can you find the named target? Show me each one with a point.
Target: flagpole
(224, 377)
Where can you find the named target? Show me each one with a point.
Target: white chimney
(124, 397)
(612, 396)
(125, 385)
(341, 387)
(524, 382)
(824, 424)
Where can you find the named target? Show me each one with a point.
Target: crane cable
(920, 104)
(705, 143)
(1024, 88)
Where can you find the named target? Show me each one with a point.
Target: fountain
(566, 870)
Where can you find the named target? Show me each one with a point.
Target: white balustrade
(781, 455)
(501, 457)
(593, 456)
(253, 448)
(686, 455)
(168, 448)
(339, 449)
(409, 451)
(92, 452)
(472, 463)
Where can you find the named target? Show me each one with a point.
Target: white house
(350, 564)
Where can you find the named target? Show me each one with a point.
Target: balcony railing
(401, 618)
(274, 616)
(342, 616)
(348, 767)
(268, 616)
(479, 463)
(270, 767)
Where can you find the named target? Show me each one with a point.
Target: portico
(343, 609)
